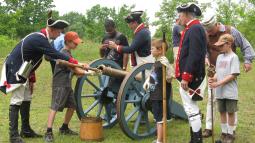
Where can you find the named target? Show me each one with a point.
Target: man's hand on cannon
(93, 73)
(85, 66)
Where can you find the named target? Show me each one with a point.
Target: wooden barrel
(91, 129)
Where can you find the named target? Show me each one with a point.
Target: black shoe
(26, 130)
(48, 137)
(207, 133)
(13, 124)
(197, 137)
(16, 140)
(29, 134)
(67, 131)
(218, 141)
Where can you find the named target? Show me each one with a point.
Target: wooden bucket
(91, 129)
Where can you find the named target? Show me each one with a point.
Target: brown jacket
(214, 51)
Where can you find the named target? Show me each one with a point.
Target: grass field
(178, 130)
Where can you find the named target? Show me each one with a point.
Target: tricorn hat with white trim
(134, 16)
(58, 24)
(189, 7)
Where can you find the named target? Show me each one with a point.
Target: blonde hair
(158, 44)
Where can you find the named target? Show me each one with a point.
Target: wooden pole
(71, 65)
(164, 92)
(212, 96)
(211, 72)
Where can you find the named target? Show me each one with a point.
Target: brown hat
(73, 36)
(226, 38)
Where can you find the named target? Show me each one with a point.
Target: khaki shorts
(227, 105)
(62, 97)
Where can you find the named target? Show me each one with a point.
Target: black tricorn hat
(58, 24)
(134, 16)
(189, 7)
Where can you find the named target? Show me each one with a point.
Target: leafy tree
(240, 15)
(166, 19)
(76, 21)
(30, 14)
(95, 17)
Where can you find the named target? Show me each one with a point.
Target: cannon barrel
(116, 72)
(112, 72)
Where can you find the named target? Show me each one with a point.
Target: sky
(151, 6)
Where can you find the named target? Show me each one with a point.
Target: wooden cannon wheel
(88, 95)
(135, 119)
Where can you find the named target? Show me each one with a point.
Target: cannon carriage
(118, 97)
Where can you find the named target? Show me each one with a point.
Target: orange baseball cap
(73, 36)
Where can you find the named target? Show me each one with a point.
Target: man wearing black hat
(29, 49)
(141, 44)
(190, 67)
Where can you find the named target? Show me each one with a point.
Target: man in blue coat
(30, 49)
(140, 47)
(190, 66)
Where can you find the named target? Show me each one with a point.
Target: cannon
(123, 100)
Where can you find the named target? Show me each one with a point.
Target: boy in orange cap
(62, 92)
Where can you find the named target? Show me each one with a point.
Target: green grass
(178, 130)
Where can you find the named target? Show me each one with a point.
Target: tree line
(20, 17)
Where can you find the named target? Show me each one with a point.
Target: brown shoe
(234, 134)
(223, 137)
(229, 138)
(207, 133)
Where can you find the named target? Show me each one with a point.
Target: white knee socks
(224, 128)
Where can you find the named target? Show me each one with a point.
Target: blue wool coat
(192, 54)
(34, 47)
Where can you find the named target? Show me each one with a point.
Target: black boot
(197, 137)
(13, 124)
(191, 135)
(26, 130)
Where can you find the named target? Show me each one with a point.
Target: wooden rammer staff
(164, 91)
(211, 72)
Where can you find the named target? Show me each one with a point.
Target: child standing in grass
(225, 82)
(62, 92)
(155, 86)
